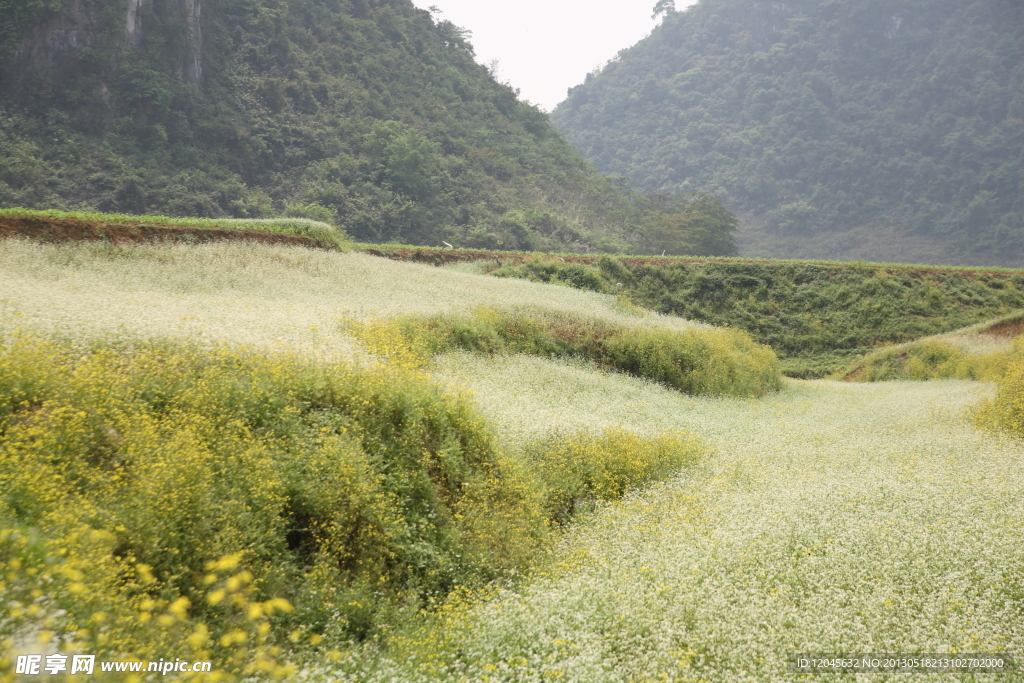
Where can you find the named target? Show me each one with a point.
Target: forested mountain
(871, 129)
(368, 114)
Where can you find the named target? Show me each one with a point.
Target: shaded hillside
(878, 129)
(366, 114)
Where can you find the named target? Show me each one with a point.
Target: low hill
(817, 315)
(367, 114)
(886, 130)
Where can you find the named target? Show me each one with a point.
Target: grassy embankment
(190, 440)
(817, 316)
(323, 234)
(981, 352)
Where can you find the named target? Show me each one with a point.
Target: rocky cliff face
(56, 42)
(77, 24)
(191, 11)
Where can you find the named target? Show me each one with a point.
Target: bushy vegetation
(581, 468)
(1006, 411)
(324, 235)
(880, 129)
(369, 115)
(718, 362)
(925, 360)
(160, 496)
(816, 317)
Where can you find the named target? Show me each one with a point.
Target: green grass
(325, 235)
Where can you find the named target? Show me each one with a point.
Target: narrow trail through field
(842, 518)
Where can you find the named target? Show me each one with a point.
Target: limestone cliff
(107, 31)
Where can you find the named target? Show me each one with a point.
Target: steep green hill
(888, 130)
(367, 114)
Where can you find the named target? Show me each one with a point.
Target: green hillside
(817, 316)
(886, 130)
(366, 114)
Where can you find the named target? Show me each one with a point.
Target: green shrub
(331, 482)
(719, 362)
(715, 362)
(1006, 411)
(924, 360)
(580, 468)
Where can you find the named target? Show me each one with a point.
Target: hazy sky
(545, 47)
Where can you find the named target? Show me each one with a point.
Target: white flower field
(833, 518)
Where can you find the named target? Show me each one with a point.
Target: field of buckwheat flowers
(842, 518)
(290, 298)
(826, 517)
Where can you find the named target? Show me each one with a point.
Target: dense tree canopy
(365, 113)
(880, 129)
(696, 224)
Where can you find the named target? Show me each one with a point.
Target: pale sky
(544, 47)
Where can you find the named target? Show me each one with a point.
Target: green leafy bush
(335, 482)
(581, 467)
(719, 362)
(1006, 411)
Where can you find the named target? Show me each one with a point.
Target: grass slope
(816, 316)
(322, 234)
(283, 297)
(327, 470)
(980, 351)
